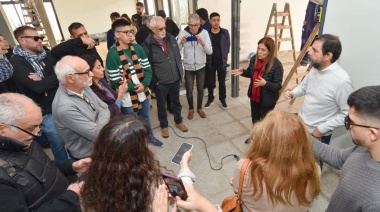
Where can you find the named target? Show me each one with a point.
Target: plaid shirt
(6, 69)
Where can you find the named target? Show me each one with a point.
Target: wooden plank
(283, 14)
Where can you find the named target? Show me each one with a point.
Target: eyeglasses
(193, 25)
(161, 29)
(86, 72)
(39, 133)
(348, 123)
(87, 100)
(35, 38)
(128, 32)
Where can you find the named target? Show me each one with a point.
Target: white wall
(356, 24)
(254, 15)
(94, 15)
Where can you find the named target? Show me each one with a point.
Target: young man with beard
(137, 18)
(326, 89)
(359, 184)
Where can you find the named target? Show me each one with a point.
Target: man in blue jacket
(217, 62)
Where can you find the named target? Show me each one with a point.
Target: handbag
(233, 203)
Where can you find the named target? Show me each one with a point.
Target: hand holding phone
(181, 151)
(191, 38)
(175, 186)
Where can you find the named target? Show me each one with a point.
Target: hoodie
(194, 53)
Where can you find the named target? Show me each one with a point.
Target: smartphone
(175, 186)
(182, 149)
(191, 38)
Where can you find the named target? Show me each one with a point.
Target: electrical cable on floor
(208, 156)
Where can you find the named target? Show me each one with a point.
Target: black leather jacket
(37, 184)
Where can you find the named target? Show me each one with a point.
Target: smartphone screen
(191, 38)
(175, 186)
(182, 149)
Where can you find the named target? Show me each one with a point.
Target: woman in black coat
(266, 73)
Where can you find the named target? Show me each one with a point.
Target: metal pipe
(235, 45)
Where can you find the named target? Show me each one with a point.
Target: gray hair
(146, 19)
(153, 22)
(194, 17)
(12, 106)
(65, 67)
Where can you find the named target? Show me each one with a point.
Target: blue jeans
(189, 78)
(325, 140)
(50, 136)
(171, 90)
(143, 112)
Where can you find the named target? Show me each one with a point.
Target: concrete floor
(221, 133)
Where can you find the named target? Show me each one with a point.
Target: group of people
(104, 122)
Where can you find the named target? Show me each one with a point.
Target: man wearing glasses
(79, 44)
(326, 89)
(79, 114)
(165, 58)
(127, 61)
(34, 76)
(359, 185)
(29, 180)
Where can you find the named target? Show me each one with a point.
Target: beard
(316, 64)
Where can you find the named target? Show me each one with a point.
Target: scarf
(127, 74)
(36, 60)
(256, 91)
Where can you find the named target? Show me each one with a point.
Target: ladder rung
(40, 28)
(33, 22)
(286, 51)
(280, 26)
(283, 39)
(30, 15)
(27, 8)
(282, 14)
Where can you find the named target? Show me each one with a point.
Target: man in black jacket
(79, 44)
(29, 180)
(163, 54)
(144, 30)
(171, 26)
(34, 76)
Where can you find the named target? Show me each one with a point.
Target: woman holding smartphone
(265, 72)
(283, 173)
(124, 174)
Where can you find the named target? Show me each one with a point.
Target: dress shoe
(201, 113)
(190, 115)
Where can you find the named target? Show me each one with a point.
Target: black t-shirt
(216, 48)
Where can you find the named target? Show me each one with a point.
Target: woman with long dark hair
(283, 173)
(101, 87)
(5, 47)
(124, 174)
(265, 72)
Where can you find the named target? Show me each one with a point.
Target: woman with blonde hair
(283, 174)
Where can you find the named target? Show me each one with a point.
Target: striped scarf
(128, 75)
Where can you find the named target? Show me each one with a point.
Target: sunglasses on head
(348, 123)
(35, 38)
(128, 32)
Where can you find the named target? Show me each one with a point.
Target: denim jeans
(200, 78)
(171, 90)
(50, 136)
(212, 81)
(143, 112)
(326, 140)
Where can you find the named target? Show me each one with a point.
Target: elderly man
(34, 76)
(196, 44)
(144, 30)
(79, 44)
(359, 185)
(127, 61)
(29, 180)
(164, 56)
(326, 87)
(79, 114)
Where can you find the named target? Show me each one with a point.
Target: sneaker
(181, 127)
(208, 104)
(224, 104)
(164, 132)
(156, 142)
(190, 115)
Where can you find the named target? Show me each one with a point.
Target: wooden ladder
(293, 72)
(278, 35)
(32, 18)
